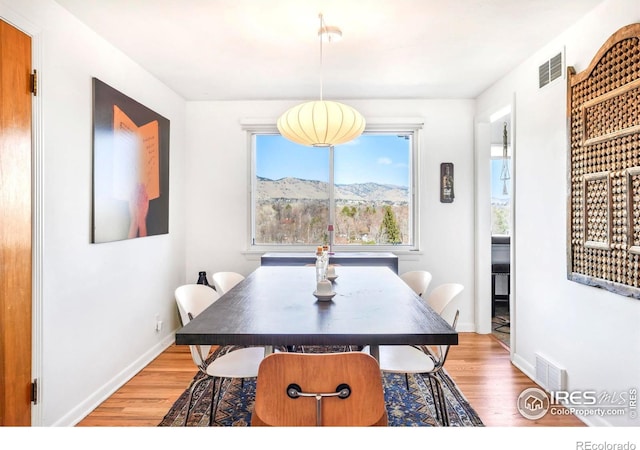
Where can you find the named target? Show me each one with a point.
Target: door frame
(37, 191)
(482, 158)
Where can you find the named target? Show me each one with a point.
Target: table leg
(374, 350)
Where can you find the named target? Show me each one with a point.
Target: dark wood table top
(275, 305)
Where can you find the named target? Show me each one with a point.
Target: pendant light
(322, 123)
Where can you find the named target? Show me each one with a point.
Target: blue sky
(370, 158)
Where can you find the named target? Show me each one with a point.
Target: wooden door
(15, 227)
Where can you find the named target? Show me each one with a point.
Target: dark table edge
(305, 339)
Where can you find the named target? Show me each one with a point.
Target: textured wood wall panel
(603, 108)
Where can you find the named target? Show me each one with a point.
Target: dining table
(275, 306)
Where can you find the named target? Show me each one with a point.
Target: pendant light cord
(320, 35)
(504, 174)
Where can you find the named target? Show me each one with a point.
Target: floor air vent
(549, 376)
(550, 70)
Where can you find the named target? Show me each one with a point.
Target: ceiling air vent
(550, 70)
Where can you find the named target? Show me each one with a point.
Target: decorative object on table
(322, 123)
(130, 168)
(330, 231)
(325, 260)
(603, 217)
(406, 407)
(324, 290)
(320, 272)
(202, 279)
(331, 272)
(446, 183)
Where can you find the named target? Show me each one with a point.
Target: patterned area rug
(412, 408)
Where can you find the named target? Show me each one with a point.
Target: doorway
(501, 190)
(15, 227)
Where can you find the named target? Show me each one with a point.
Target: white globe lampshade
(321, 123)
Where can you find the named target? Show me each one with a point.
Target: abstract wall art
(130, 167)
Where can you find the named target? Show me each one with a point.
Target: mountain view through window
(362, 188)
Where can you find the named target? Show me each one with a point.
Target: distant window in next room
(500, 198)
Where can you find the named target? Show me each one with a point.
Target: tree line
(305, 222)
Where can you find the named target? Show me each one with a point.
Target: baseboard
(86, 407)
(468, 327)
(524, 366)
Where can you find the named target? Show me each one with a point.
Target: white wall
(591, 333)
(99, 301)
(218, 187)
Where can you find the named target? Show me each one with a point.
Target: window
(364, 188)
(500, 197)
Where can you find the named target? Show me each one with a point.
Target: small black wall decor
(446, 183)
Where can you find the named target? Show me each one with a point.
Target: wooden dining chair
(319, 389)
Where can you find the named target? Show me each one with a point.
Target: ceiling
(269, 49)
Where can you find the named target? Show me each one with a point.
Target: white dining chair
(442, 295)
(224, 281)
(424, 360)
(418, 280)
(241, 363)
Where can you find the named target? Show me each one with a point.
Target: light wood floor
(480, 366)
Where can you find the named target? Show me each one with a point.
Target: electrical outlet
(159, 325)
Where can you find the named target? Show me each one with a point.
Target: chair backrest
(319, 373)
(442, 295)
(192, 299)
(418, 280)
(224, 281)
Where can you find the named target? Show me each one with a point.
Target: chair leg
(434, 397)
(507, 324)
(214, 406)
(406, 380)
(212, 410)
(441, 402)
(190, 397)
(493, 295)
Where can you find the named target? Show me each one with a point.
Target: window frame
(411, 127)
